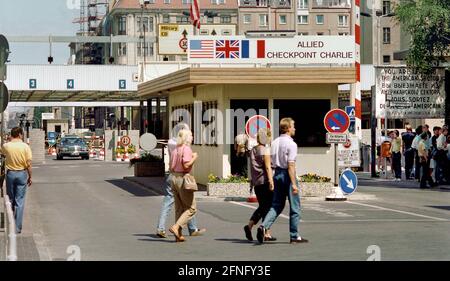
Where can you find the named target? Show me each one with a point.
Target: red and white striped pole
(355, 98)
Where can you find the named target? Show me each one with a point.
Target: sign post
(336, 121)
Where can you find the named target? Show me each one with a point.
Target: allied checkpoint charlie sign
(403, 93)
(298, 49)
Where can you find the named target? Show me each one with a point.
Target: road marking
(253, 207)
(397, 211)
(327, 211)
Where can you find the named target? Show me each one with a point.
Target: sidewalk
(156, 186)
(365, 179)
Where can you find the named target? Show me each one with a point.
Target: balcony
(331, 4)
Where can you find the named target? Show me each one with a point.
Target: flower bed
(232, 186)
(148, 166)
(312, 185)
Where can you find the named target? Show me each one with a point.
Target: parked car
(72, 146)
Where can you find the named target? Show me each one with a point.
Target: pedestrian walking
(433, 153)
(396, 154)
(262, 181)
(169, 200)
(284, 155)
(18, 173)
(182, 161)
(408, 151)
(241, 143)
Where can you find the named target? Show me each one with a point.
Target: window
(166, 19)
(146, 22)
(167, 1)
(386, 7)
(225, 19)
(302, 4)
(186, 1)
(247, 18)
(302, 19)
(342, 20)
(123, 25)
(386, 35)
(319, 19)
(386, 59)
(148, 49)
(313, 131)
(122, 51)
(182, 19)
(283, 19)
(263, 20)
(210, 19)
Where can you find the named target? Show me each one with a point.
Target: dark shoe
(198, 232)
(270, 238)
(248, 233)
(299, 240)
(261, 232)
(161, 234)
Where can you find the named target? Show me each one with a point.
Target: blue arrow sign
(348, 182)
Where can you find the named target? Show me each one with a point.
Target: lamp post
(144, 4)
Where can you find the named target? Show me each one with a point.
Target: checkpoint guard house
(264, 75)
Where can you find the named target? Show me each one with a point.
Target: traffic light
(4, 53)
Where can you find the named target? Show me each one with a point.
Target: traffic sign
(125, 140)
(183, 44)
(255, 123)
(4, 97)
(348, 182)
(336, 121)
(148, 142)
(336, 138)
(350, 110)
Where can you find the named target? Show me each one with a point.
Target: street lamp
(144, 4)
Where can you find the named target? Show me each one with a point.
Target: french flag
(253, 49)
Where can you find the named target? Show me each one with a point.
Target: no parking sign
(255, 123)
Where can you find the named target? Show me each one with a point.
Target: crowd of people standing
(426, 155)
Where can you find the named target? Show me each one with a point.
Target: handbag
(189, 182)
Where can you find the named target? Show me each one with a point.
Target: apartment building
(127, 17)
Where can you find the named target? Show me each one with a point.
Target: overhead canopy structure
(72, 83)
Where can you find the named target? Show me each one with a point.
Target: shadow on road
(154, 238)
(446, 208)
(132, 188)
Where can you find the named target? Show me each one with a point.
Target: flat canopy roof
(190, 77)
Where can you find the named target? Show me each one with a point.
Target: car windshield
(72, 142)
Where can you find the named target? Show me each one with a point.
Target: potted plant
(312, 185)
(148, 165)
(231, 186)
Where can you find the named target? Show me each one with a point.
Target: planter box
(228, 189)
(316, 189)
(149, 169)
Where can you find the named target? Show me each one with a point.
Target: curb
(201, 195)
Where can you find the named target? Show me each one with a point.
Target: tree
(428, 23)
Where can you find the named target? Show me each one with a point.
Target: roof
(190, 77)
(175, 4)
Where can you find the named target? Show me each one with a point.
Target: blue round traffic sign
(336, 121)
(348, 182)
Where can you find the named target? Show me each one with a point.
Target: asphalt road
(86, 205)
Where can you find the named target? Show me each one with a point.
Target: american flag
(201, 49)
(226, 49)
(195, 13)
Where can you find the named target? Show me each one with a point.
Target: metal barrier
(10, 230)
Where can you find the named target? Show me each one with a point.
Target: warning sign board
(349, 156)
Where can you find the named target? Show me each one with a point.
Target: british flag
(227, 49)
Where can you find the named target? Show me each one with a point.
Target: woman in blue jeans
(261, 182)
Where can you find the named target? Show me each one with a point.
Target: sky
(38, 18)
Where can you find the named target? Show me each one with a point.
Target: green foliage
(230, 179)
(131, 149)
(313, 178)
(146, 157)
(428, 23)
